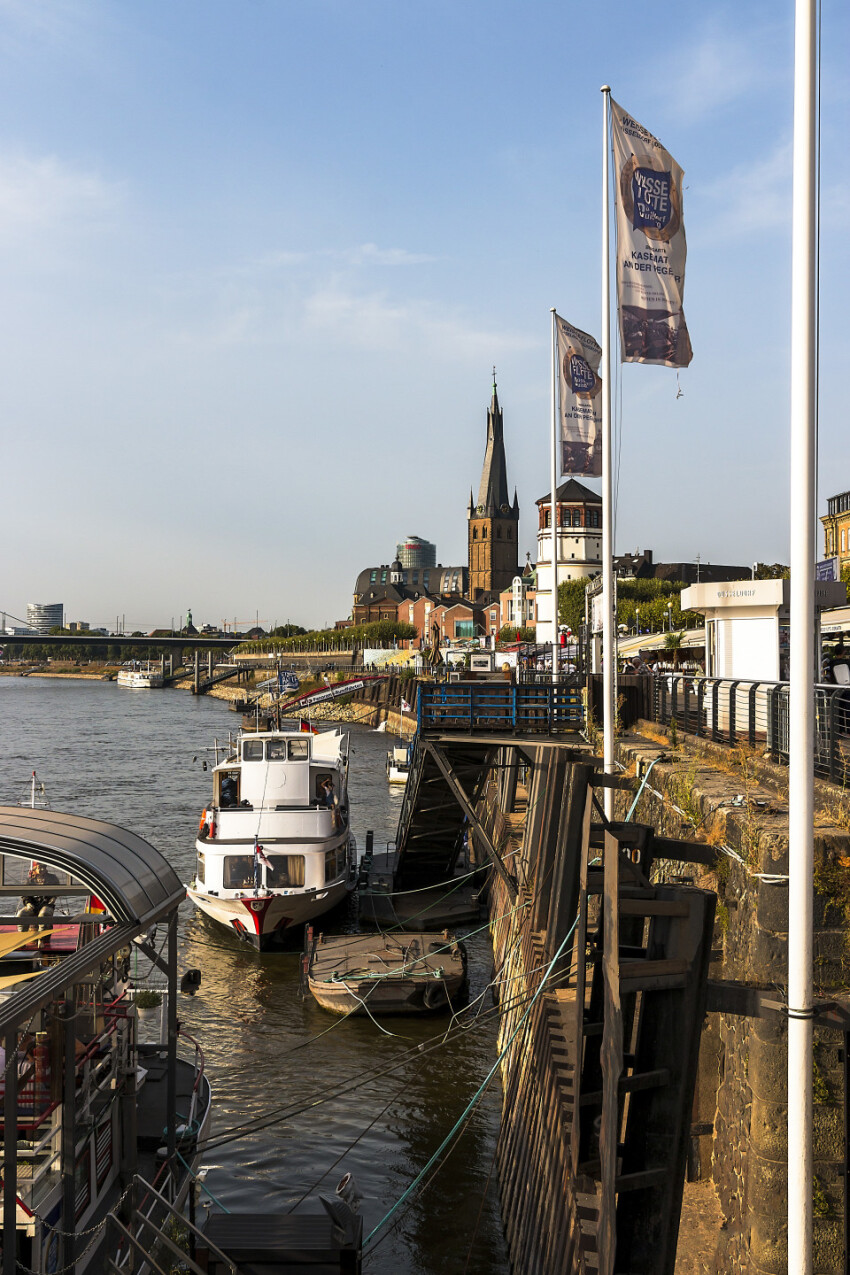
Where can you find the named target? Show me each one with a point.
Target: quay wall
(734, 799)
(534, 823)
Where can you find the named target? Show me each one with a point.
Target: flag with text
(651, 247)
(580, 403)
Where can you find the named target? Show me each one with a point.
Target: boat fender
(211, 832)
(202, 825)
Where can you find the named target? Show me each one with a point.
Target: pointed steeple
(493, 492)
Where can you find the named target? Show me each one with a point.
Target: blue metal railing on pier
(546, 708)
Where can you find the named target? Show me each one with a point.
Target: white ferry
(141, 677)
(274, 846)
(398, 764)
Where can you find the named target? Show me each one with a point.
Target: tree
(673, 642)
(571, 603)
(772, 571)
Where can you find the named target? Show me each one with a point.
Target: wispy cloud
(367, 254)
(722, 63)
(371, 254)
(751, 197)
(376, 321)
(36, 193)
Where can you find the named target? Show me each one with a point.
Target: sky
(258, 259)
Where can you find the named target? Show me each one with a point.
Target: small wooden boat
(395, 973)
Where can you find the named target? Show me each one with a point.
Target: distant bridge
(117, 639)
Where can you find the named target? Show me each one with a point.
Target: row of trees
(379, 633)
(651, 605)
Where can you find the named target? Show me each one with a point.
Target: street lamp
(670, 617)
(637, 621)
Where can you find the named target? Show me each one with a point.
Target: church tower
(493, 521)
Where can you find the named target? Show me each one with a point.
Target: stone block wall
(740, 1115)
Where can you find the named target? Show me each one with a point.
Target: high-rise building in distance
(416, 552)
(44, 616)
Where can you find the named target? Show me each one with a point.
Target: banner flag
(651, 247)
(580, 404)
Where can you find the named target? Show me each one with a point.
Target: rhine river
(136, 759)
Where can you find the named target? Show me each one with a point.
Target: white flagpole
(554, 513)
(608, 655)
(802, 652)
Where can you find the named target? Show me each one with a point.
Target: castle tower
(493, 519)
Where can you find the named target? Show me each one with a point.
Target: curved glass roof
(126, 873)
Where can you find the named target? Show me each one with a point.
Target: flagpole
(608, 655)
(554, 513)
(802, 649)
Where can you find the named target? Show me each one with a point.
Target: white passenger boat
(398, 764)
(274, 847)
(140, 676)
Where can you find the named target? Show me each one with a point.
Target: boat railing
(199, 1063)
(146, 1236)
(39, 1140)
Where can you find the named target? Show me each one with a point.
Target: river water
(136, 759)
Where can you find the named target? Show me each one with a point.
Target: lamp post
(637, 621)
(670, 617)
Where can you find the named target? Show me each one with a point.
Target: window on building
(373, 577)
(483, 533)
(510, 533)
(474, 533)
(383, 577)
(499, 531)
(842, 540)
(464, 628)
(576, 517)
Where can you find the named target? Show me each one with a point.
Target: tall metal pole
(554, 514)
(608, 655)
(801, 690)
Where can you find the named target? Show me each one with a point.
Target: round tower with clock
(493, 519)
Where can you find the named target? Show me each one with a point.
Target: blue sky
(258, 259)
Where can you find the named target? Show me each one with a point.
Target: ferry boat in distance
(398, 764)
(140, 676)
(274, 846)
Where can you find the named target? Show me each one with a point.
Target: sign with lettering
(827, 569)
(651, 247)
(580, 404)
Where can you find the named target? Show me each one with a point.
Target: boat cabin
(79, 1099)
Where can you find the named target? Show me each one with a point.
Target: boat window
(286, 870)
(299, 749)
(334, 863)
(201, 867)
(252, 750)
(238, 871)
(276, 749)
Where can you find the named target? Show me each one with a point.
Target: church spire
(493, 492)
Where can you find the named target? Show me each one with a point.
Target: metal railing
(735, 711)
(547, 708)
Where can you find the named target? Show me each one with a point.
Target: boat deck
(395, 973)
(60, 942)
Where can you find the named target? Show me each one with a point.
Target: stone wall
(740, 1113)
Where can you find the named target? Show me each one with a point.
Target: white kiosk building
(747, 625)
